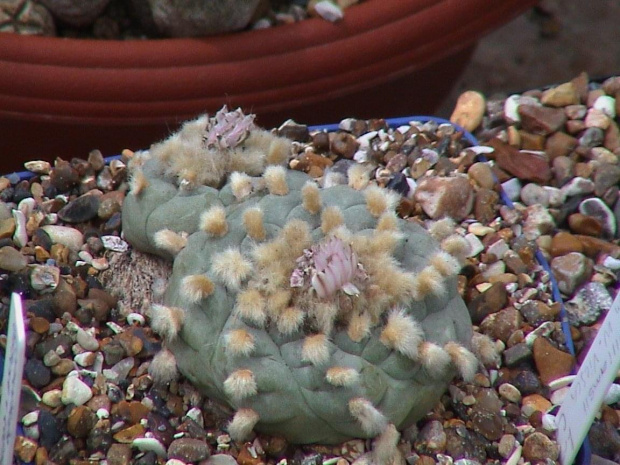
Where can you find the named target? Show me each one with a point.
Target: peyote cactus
(317, 314)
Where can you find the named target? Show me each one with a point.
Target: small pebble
(64, 235)
(75, 391)
(149, 444)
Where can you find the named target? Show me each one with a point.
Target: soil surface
(549, 44)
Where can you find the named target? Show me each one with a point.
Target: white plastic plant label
(12, 379)
(587, 391)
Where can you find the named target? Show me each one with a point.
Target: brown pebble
(25, 448)
(531, 141)
(127, 435)
(482, 174)
(132, 412)
(469, 110)
(533, 403)
(563, 243)
(592, 246)
(442, 196)
(63, 367)
(246, 458)
(502, 324)
(488, 302)
(65, 299)
(551, 363)
(571, 270)
(485, 205)
(527, 166)
(541, 120)
(612, 136)
(132, 344)
(188, 450)
(100, 401)
(12, 259)
(609, 415)
(41, 457)
(39, 324)
(119, 454)
(583, 224)
(560, 96)
(344, 144)
(81, 420)
(559, 144)
(431, 438)
(425, 460)
(7, 228)
(538, 447)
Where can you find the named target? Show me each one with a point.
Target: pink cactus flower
(228, 129)
(331, 266)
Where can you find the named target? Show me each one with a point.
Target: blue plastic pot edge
(584, 456)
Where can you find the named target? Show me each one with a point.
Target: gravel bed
(88, 397)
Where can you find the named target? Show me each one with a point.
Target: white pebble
(512, 188)
(361, 156)
(32, 431)
(576, 186)
(27, 206)
(52, 398)
(44, 278)
(561, 382)
(196, 414)
(64, 235)
(38, 166)
(87, 340)
(30, 418)
(607, 104)
(479, 229)
(481, 149)
(85, 359)
(115, 327)
(75, 391)
(150, 445)
(494, 269)
(329, 11)
(611, 263)
(123, 367)
(532, 194)
(556, 196)
(85, 256)
(175, 462)
(509, 392)
(347, 124)
(103, 413)
(135, 318)
(515, 456)
(543, 330)
(20, 237)
(559, 395)
(100, 264)
(475, 246)
(613, 394)
(364, 139)
(114, 243)
(511, 109)
(498, 248)
(549, 422)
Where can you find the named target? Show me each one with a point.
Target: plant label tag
(12, 378)
(587, 391)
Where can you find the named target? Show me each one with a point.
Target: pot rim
(135, 82)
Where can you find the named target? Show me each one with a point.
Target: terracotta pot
(64, 97)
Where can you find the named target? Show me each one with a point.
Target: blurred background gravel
(550, 44)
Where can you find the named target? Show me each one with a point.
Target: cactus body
(315, 313)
